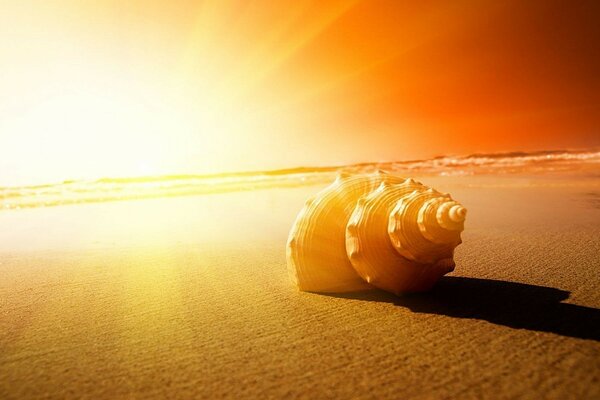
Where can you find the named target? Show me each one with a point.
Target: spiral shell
(375, 230)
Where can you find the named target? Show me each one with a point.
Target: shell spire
(374, 230)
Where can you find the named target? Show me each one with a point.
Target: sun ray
(421, 36)
(296, 26)
(310, 31)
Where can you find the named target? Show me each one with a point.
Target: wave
(585, 162)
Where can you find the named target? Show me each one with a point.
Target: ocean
(580, 163)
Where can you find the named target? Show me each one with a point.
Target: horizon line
(302, 169)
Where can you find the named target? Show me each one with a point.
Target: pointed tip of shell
(384, 185)
(354, 255)
(291, 243)
(392, 232)
(451, 215)
(352, 228)
(352, 247)
(341, 175)
(394, 222)
(361, 202)
(457, 213)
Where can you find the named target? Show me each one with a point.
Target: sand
(189, 298)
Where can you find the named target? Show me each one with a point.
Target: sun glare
(106, 94)
(93, 133)
(104, 89)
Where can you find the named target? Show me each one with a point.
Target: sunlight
(213, 106)
(92, 133)
(103, 90)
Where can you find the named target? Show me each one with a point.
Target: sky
(114, 88)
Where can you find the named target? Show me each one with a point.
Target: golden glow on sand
(143, 88)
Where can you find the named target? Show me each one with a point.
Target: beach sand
(189, 298)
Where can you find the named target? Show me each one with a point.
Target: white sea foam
(584, 163)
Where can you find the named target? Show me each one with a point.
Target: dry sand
(189, 298)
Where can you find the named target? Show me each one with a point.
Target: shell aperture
(374, 230)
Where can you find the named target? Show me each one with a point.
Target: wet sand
(189, 298)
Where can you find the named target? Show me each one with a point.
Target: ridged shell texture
(374, 230)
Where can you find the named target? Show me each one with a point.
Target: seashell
(375, 230)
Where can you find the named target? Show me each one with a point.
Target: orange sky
(125, 88)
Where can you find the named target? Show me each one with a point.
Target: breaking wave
(114, 189)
